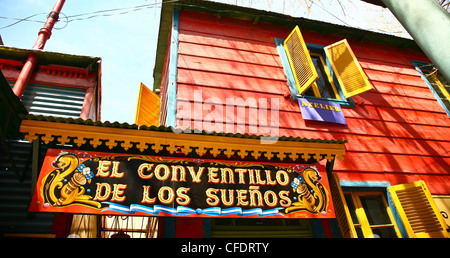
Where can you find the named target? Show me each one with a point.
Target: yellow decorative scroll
(64, 185)
(312, 196)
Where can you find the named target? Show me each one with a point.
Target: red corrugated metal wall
(398, 132)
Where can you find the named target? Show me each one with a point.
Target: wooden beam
(95, 136)
(35, 166)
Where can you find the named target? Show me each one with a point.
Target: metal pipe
(428, 23)
(43, 35)
(25, 74)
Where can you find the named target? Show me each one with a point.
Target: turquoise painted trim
(335, 228)
(287, 68)
(319, 232)
(290, 76)
(207, 228)
(397, 218)
(173, 63)
(379, 184)
(417, 65)
(169, 227)
(317, 228)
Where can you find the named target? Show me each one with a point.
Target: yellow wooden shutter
(302, 67)
(343, 216)
(148, 107)
(418, 211)
(348, 71)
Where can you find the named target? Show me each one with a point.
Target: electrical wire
(126, 10)
(90, 15)
(20, 20)
(121, 11)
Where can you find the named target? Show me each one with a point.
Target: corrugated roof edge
(89, 122)
(48, 57)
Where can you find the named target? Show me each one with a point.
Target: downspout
(43, 35)
(429, 25)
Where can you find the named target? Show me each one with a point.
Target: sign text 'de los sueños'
(176, 175)
(91, 182)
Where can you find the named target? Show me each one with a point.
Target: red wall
(398, 132)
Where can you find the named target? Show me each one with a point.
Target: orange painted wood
(391, 114)
(383, 53)
(237, 28)
(402, 90)
(397, 146)
(397, 132)
(359, 143)
(227, 67)
(400, 102)
(311, 129)
(388, 67)
(234, 31)
(394, 163)
(231, 82)
(375, 75)
(221, 96)
(437, 184)
(199, 37)
(370, 105)
(229, 54)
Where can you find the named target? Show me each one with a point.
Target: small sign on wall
(321, 110)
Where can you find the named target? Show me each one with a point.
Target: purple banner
(320, 110)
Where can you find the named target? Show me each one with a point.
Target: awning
(143, 139)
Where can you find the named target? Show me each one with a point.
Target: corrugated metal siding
(53, 101)
(15, 196)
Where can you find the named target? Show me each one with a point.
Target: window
(371, 215)
(324, 86)
(328, 72)
(411, 211)
(418, 211)
(92, 226)
(55, 101)
(437, 83)
(128, 227)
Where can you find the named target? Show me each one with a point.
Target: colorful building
(395, 126)
(63, 86)
(270, 126)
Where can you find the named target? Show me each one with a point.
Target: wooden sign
(105, 183)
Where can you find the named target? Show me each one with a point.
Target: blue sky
(127, 42)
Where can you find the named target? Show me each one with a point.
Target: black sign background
(89, 182)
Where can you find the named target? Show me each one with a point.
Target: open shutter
(305, 73)
(148, 107)
(348, 71)
(418, 211)
(341, 209)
